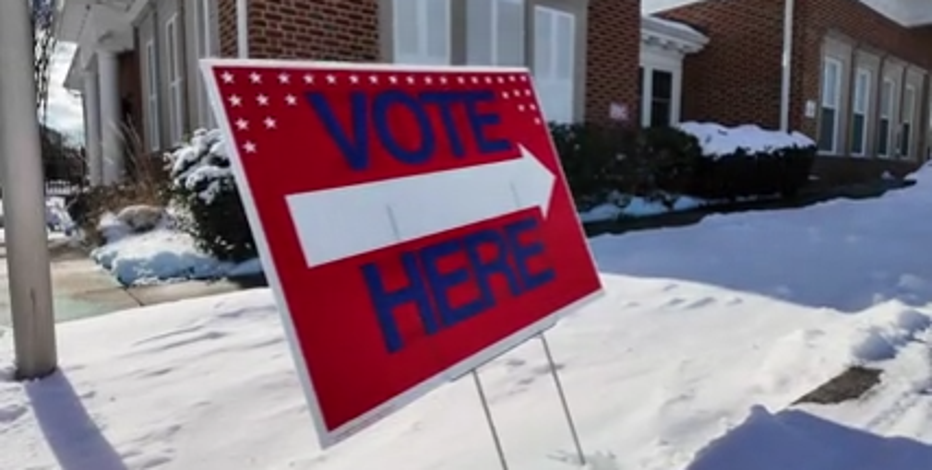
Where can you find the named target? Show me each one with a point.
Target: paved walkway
(82, 289)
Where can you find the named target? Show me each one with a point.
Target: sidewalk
(82, 289)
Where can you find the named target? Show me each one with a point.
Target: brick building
(137, 59)
(858, 78)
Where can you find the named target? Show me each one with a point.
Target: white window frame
(422, 57)
(833, 102)
(205, 49)
(151, 85)
(909, 119)
(539, 77)
(886, 114)
(652, 60)
(862, 107)
(490, 10)
(175, 80)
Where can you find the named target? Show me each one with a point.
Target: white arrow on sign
(335, 224)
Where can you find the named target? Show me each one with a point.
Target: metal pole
(23, 198)
(786, 84)
(490, 421)
(242, 29)
(566, 406)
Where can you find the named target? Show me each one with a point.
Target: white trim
(328, 438)
(864, 112)
(653, 58)
(175, 80)
(151, 89)
(909, 119)
(886, 114)
(831, 102)
(205, 49)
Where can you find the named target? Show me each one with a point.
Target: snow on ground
(706, 337)
(160, 255)
(618, 205)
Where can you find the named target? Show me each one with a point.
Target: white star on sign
(410, 80)
(249, 147)
(532, 107)
(527, 92)
(505, 95)
(501, 80)
(374, 78)
(284, 78)
(443, 80)
(270, 123)
(520, 107)
(227, 77)
(255, 78)
(308, 78)
(536, 120)
(461, 80)
(488, 80)
(354, 79)
(511, 78)
(331, 79)
(235, 100)
(263, 100)
(393, 79)
(475, 80)
(242, 124)
(524, 78)
(291, 100)
(428, 80)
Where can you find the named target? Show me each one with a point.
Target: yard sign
(413, 222)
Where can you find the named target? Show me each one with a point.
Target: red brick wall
(736, 78)
(613, 57)
(815, 18)
(306, 29)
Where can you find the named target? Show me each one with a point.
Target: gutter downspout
(242, 29)
(786, 85)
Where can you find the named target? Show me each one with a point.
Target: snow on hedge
(203, 160)
(718, 140)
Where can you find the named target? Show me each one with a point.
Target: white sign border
(328, 438)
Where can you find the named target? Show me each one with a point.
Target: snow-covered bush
(749, 161)
(204, 186)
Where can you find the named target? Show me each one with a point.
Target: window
(831, 96)
(861, 105)
(884, 129)
(909, 114)
(151, 87)
(205, 48)
(495, 32)
(554, 44)
(175, 90)
(422, 32)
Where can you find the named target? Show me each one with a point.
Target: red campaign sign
(413, 222)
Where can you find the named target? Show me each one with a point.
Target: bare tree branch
(44, 45)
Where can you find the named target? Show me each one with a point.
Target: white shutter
(435, 27)
(421, 31)
(509, 32)
(495, 32)
(554, 45)
(480, 36)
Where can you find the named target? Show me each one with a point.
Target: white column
(110, 117)
(27, 253)
(92, 127)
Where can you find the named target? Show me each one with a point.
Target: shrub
(599, 159)
(204, 186)
(663, 163)
(748, 161)
(149, 185)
